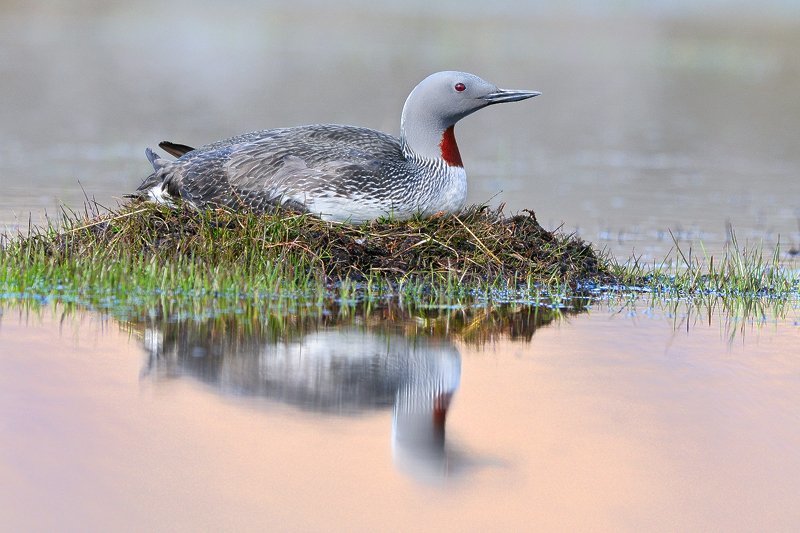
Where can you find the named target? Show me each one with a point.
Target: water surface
(622, 417)
(654, 415)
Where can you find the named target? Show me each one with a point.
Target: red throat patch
(449, 148)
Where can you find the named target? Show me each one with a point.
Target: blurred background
(655, 116)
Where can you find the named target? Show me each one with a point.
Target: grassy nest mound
(478, 246)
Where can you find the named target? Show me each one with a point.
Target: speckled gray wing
(294, 166)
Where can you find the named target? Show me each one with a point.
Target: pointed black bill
(509, 95)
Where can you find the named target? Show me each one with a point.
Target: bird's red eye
(460, 87)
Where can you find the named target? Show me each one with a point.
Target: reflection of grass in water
(236, 321)
(736, 314)
(145, 249)
(745, 288)
(249, 320)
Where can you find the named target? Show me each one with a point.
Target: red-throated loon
(340, 173)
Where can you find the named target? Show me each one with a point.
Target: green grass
(144, 252)
(146, 249)
(739, 272)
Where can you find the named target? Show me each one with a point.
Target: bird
(339, 173)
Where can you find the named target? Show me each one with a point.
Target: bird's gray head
(441, 100)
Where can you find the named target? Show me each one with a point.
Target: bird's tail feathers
(175, 149)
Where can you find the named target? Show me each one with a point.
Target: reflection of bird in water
(345, 370)
(420, 412)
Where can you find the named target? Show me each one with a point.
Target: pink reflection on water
(604, 422)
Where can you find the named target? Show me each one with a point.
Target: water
(508, 418)
(652, 119)
(649, 415)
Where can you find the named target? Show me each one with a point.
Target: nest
(478, 245)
